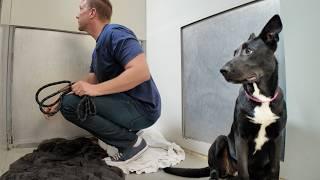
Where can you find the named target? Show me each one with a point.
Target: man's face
(84, 15)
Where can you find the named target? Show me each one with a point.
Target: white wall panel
(61, 14)
(5, 11)
(2, 87)
(301, 36)
(131, 13)
(57, 14)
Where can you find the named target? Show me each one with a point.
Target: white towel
(160, 154)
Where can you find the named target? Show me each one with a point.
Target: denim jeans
(118, 118)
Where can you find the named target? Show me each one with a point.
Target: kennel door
(208, 100)
(41, 57)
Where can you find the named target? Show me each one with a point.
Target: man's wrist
(98, 90)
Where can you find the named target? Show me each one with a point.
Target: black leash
(86, 108)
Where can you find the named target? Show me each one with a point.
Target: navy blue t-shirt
(115, 47)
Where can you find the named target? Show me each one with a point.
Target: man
(124, 93)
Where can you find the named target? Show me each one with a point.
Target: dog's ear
(270, 32)
(252, 36)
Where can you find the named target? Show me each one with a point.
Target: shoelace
(117, 156)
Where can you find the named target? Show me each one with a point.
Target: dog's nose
(225, 70)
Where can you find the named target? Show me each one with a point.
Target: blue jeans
(118, 118)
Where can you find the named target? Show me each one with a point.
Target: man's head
(93, 10)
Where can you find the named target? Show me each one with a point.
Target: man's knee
(69, 104)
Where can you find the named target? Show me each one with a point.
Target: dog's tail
(187, 172)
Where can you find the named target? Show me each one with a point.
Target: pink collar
(260, 101)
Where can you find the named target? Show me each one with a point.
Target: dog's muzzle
(225, 70)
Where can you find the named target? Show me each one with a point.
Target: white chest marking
(263, 116)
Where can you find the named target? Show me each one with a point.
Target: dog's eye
(248, 51)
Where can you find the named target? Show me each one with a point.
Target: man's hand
(50, 110)
(82, 88)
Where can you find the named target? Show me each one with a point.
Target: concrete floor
(192, 160)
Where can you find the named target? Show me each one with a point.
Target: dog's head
(255, 58)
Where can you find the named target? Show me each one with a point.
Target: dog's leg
(220, 162)
(214, 157)
(274, 154)
(242, 158)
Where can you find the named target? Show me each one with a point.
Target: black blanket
(61, 159)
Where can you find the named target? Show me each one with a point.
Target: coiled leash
(85, 109)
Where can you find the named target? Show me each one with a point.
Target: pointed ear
(252, 36)
(270, 32)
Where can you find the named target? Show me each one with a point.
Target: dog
(251, 151)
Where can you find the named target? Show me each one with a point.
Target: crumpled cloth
(61, 159)
(160, 154)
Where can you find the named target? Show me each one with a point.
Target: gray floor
(192, 160)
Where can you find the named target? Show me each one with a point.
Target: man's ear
(93, 13)
(270, 32)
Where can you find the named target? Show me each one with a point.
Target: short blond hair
(103, 7)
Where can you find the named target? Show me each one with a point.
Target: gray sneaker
(129, 154)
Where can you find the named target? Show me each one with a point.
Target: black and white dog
(252, 150)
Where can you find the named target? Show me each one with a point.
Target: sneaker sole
(112, 163)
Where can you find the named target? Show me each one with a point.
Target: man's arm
(90, 78)
(135, 73)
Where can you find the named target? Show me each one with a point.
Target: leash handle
(63, 90)
(85, 109)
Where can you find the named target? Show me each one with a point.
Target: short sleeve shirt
(115, 47)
